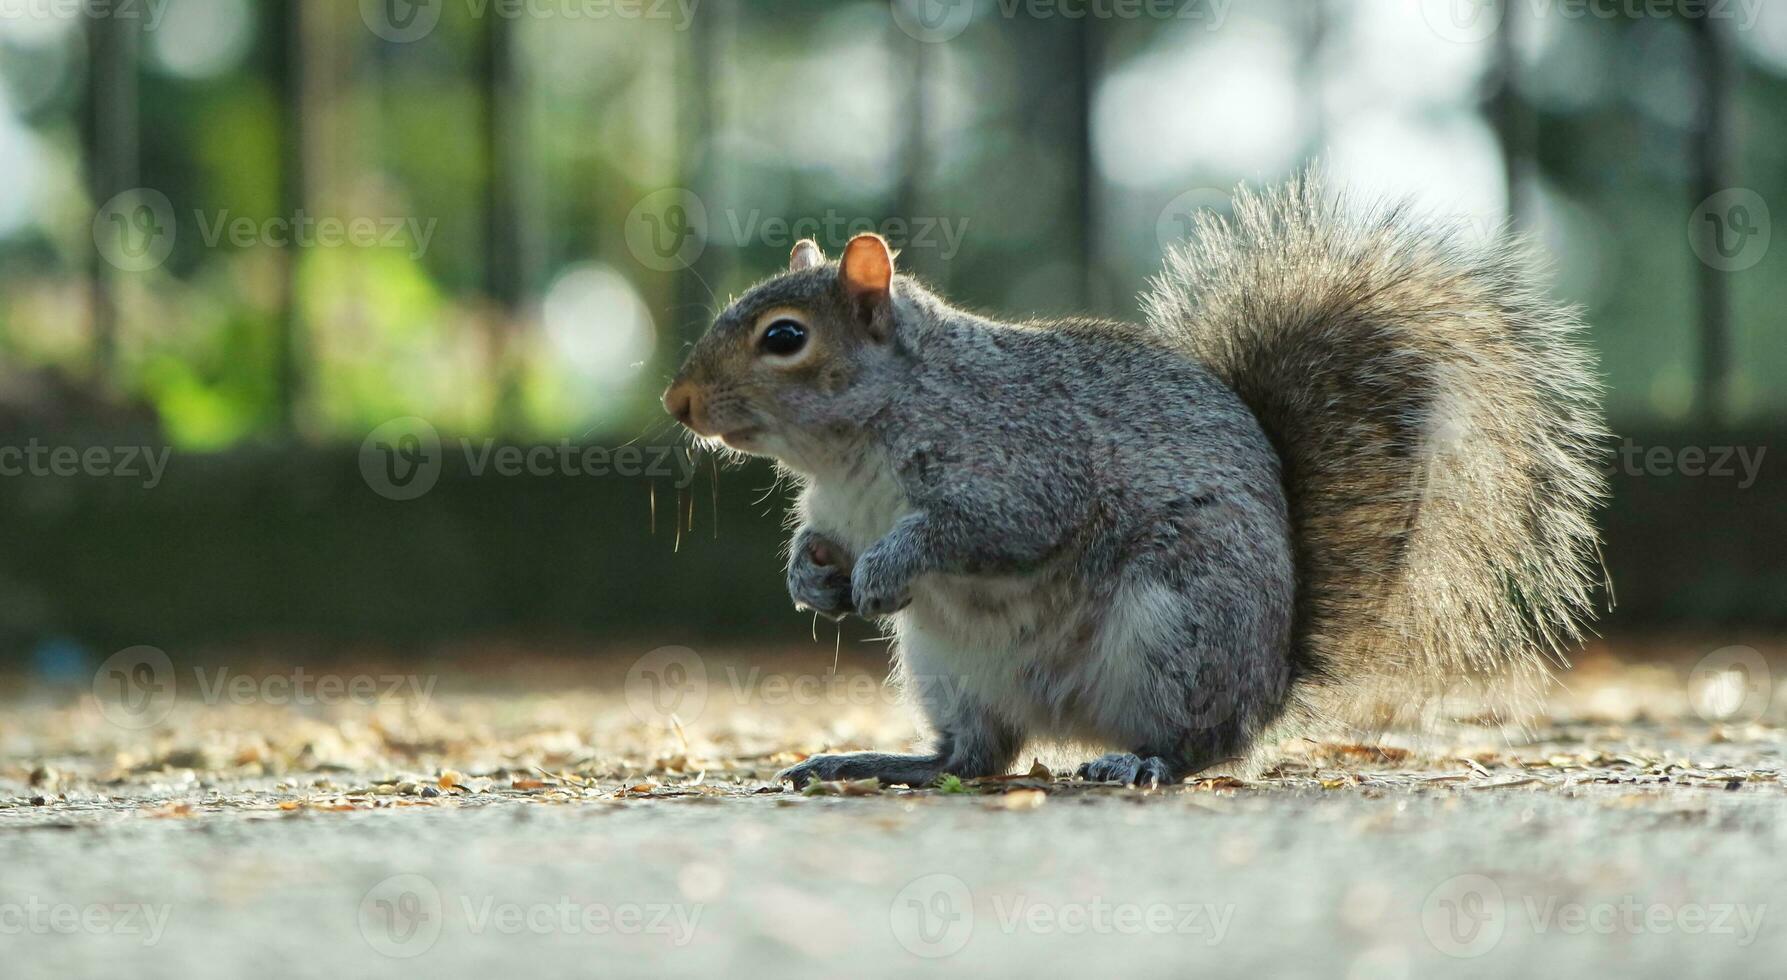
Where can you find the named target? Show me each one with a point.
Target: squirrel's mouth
(738, 438)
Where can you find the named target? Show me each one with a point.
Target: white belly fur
(1023, 663)
(858, 512)
(1002, 642)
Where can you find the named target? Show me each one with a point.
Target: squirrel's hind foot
(1129, 769)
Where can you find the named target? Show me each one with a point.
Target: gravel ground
(545, 820)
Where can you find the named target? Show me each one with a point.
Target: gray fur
(1082, 531)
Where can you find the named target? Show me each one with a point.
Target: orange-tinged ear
(806, 255)
(866, 272)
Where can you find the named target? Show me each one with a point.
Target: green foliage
(599, 113)
(949, 783)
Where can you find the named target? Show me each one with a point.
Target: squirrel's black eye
(783, 338)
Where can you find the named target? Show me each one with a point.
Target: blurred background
(336, 329)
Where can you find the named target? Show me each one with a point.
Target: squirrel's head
(794, 367)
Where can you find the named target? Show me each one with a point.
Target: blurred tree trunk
(1512, 119)
(909, 199)
(1712, 152)
(1085, 61)
(702, 65)
(288, 40)
(503, 131)
(109, 131)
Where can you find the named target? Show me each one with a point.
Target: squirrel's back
(1436, 419)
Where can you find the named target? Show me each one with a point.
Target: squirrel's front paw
(819, 577)
(881, 584)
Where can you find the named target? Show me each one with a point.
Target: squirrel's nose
(682, 402)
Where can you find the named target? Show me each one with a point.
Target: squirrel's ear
(806, 255)
(866, 273)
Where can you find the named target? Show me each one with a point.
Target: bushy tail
(1438, 423)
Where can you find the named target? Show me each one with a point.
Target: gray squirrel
(1349, 459)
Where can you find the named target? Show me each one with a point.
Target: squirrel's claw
(1129, 769)
(836, 615)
